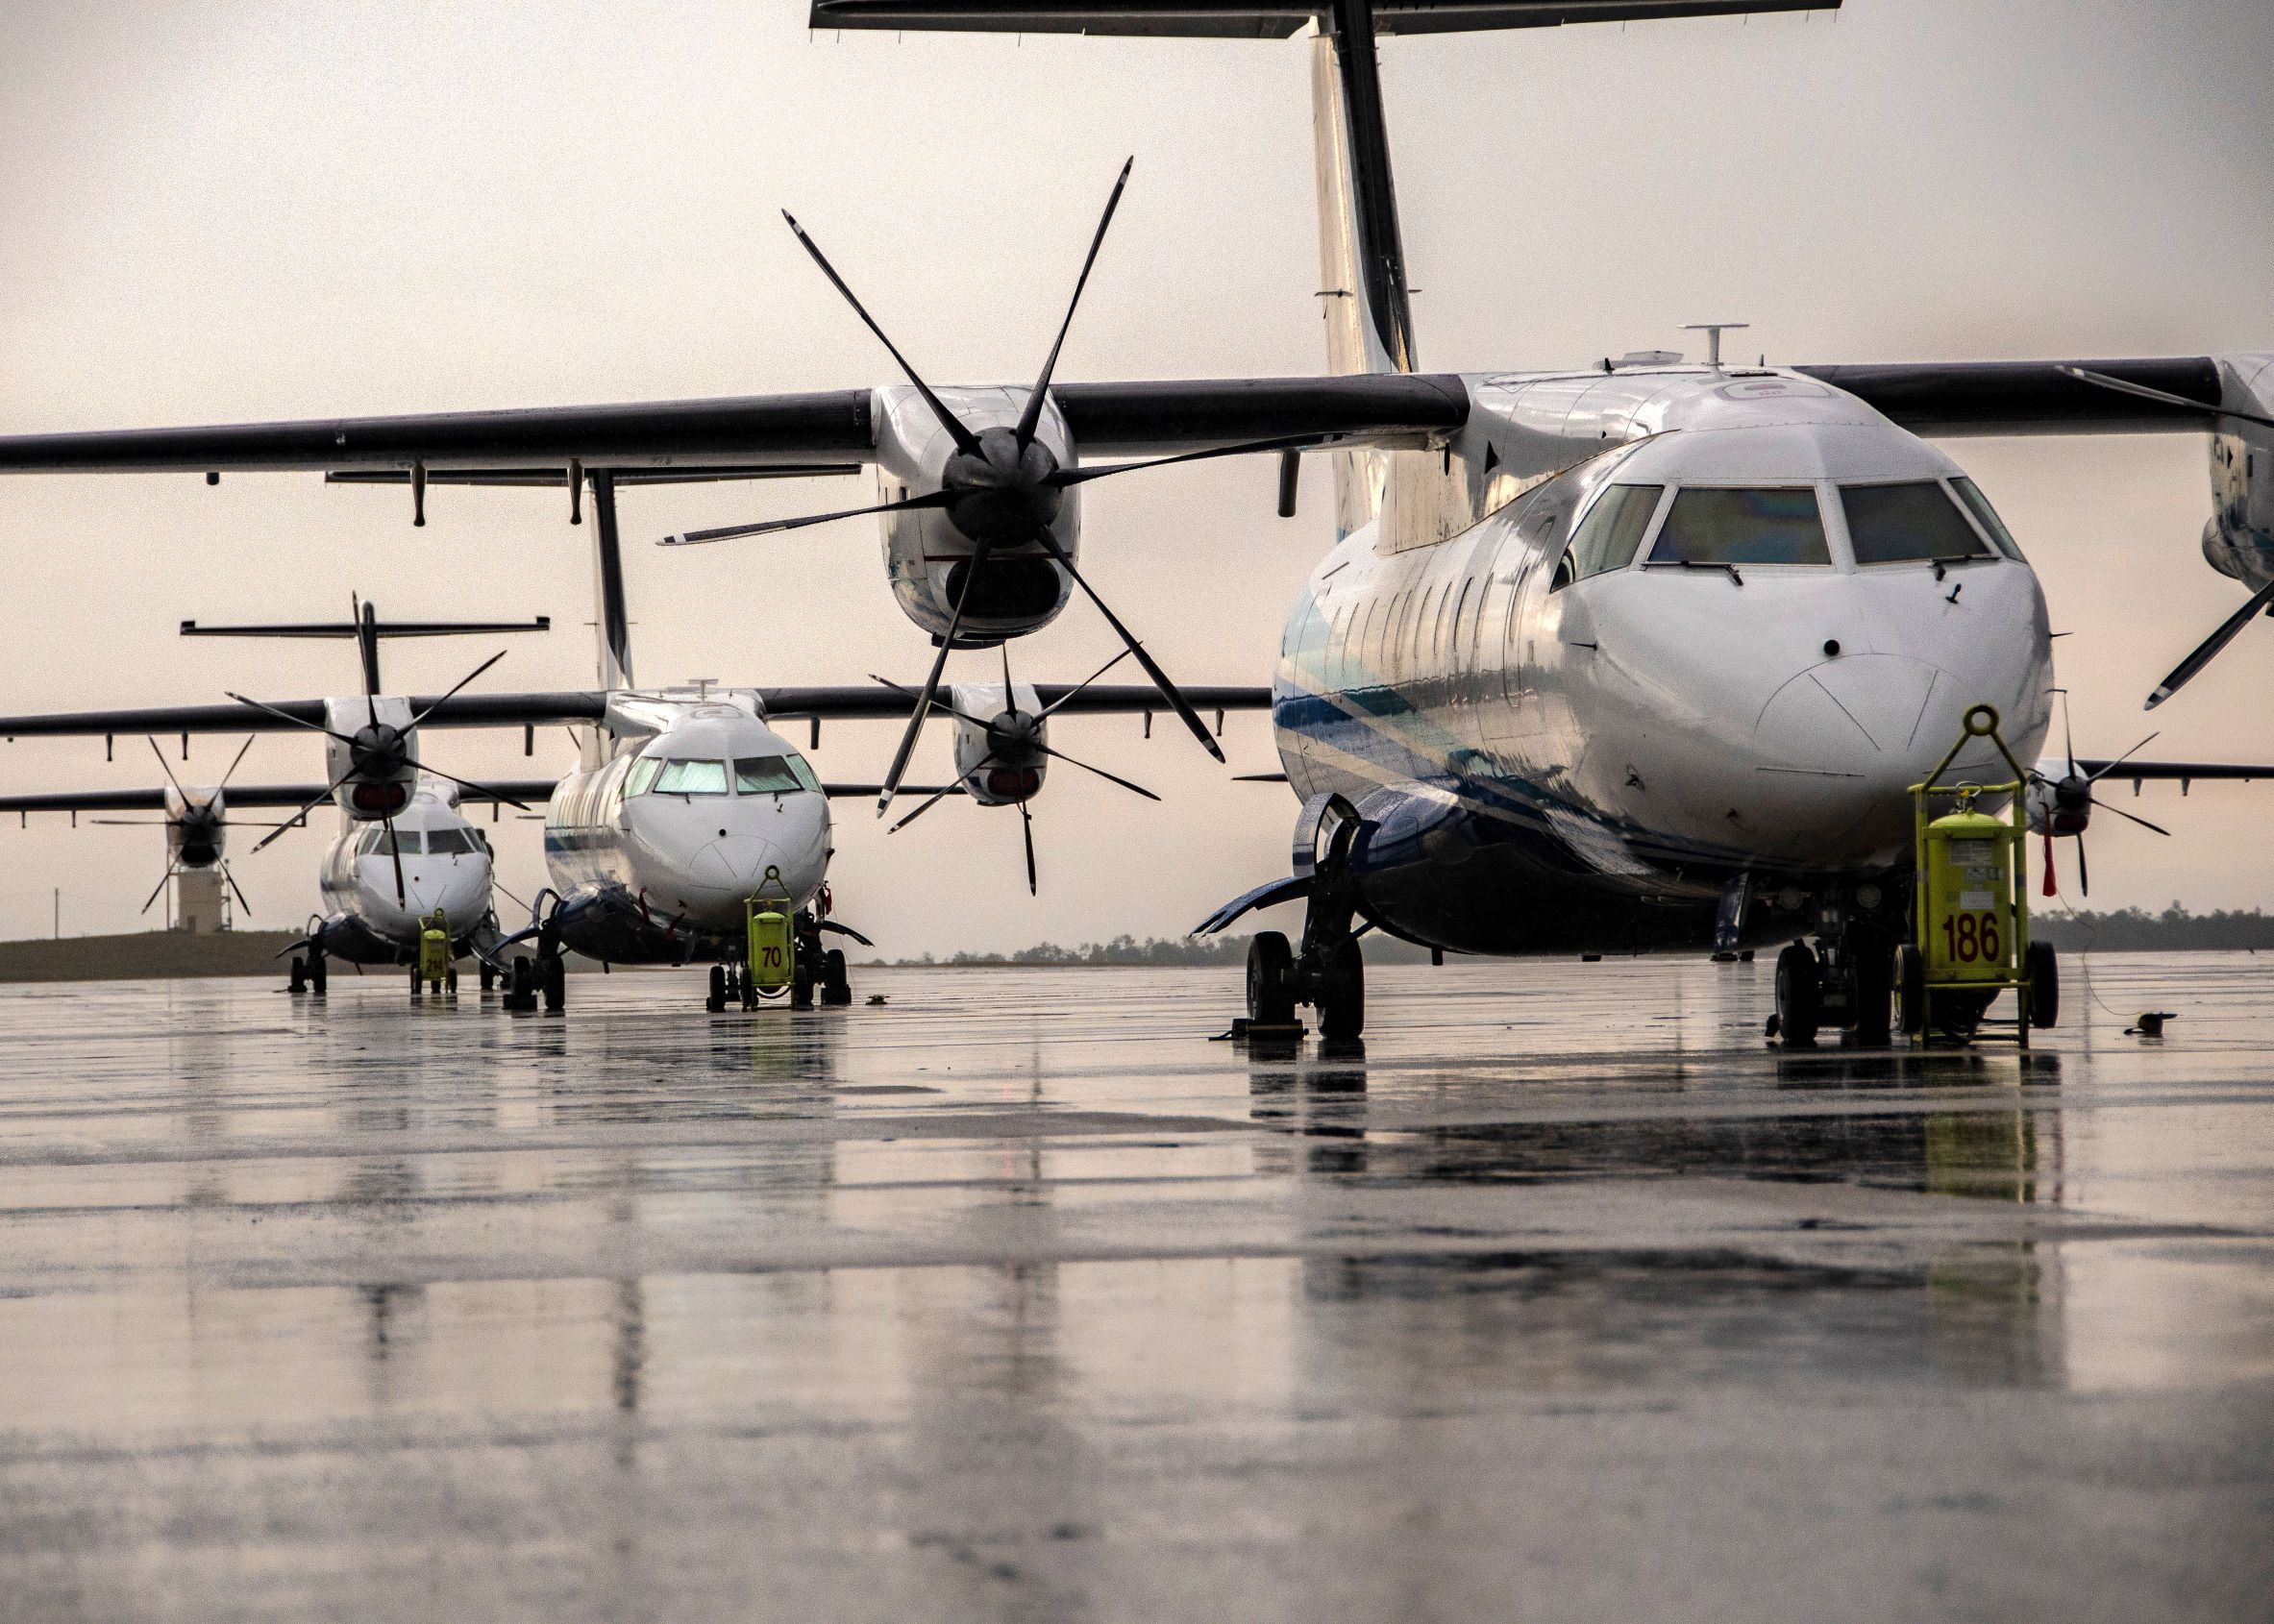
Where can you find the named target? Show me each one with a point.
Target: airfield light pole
(59, 926)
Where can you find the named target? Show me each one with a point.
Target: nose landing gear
(1843, 983)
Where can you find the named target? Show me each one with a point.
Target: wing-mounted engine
(371, 754)
(1001, 742)
(197, 826)
(997, 495)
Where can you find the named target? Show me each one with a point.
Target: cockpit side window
(1776, 525)
(1915, 523)
(763, 774)
(1607, 537)
(692, 777)
(1986, 517)
(643, 776)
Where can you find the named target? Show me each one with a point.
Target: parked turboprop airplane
(686, 807)
(1604, 654)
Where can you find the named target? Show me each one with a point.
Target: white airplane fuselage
(1648, 733)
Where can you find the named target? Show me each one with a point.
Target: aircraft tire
(553, 971)
(416, 982)
(1799, 995)
(319, 976)
(1342, 992)
(2045, 985)
(836, 987)
(716, 1003)
(299, 978)
(1271, 980)
(1911, 988)
(489, 976)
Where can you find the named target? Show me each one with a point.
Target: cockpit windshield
(1914, 523)
(1708, 525)
(772, 775)
(408, 842)
(448, 843)
(692, 777)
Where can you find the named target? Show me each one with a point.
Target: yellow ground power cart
(1970, 905)
(770, 928)
(435, 967)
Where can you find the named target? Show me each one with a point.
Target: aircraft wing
(1961, 398)
(729, 437)
(285, 716)
(1097, 699)
(1259, 20)
(2163, 771)
(252, 797)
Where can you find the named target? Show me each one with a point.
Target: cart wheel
(2045, 985)
(1911, 988)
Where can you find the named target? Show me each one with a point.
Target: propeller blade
(313, 727)
(167, 770)
(160, 886)
(2068, 738)
(965, 440)
(2133, 816)
(768, 526)
(2084, 873)
(2085, 375)
(2121, 759)
(939, 705)
(232, 773)
(395, 850)
(1026, 827)
(238, 889)
(1061, 756)
(484, 790)
(454, 692)
(1065, 477)
(300, 817)
(1161, 678)
(931, 687)
(1032, 416)
(1044, 714)
(135, 823)
(2208, 650)
(940, 794)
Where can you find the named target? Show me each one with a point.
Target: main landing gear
(1328, 971)
(310, 973)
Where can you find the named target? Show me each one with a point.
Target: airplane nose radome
(1866, 714)
(737, 863)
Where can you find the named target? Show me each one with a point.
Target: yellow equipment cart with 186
(1970, 906)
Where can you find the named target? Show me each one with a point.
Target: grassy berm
(147, 955)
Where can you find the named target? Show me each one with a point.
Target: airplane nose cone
(736, 864)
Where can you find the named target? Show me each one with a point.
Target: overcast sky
(227, 212)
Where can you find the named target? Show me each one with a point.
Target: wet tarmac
(1016, 1297)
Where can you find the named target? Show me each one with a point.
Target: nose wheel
(1843, 982)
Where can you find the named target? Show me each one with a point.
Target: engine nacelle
(928, 557)
(2059, 797)
(373, 755)
(196, 827)
(2238, 541)
(997, 735)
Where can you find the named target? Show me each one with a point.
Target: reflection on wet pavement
(1561, 1295)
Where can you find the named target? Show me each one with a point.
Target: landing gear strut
(1329, 970)
(1845, 981)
